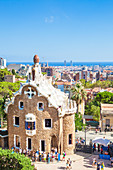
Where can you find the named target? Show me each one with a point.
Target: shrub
(12, 161)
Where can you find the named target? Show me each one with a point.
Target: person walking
(98, 166)
(70, 163)
(102, 166)
(67, 165)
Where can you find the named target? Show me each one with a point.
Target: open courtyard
(92, 135)
(80, 161)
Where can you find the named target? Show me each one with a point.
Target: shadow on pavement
(61, 167)
(88, 159)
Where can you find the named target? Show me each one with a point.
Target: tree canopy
(104, 97)
(6, 91)
(93, 107)
(78, 94)
(102, 84)
(78, 121)
(4, 72)
(10, 160)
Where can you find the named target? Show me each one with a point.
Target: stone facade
(9, 78)
(106, 116)
(32, 128)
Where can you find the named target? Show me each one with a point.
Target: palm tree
(78, 94)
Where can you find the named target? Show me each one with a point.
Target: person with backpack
(102, 166)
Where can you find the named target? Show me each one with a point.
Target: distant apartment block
(2, 63)
(51, 72)
(16, 67)
(9, 78)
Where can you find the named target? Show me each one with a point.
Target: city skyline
(56, 30)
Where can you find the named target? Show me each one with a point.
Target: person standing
(101, 150)
(44, 157)
(111, 159)
(20, 151)
(64, 154)
(40, 157)
(48, 158)
(98, 147)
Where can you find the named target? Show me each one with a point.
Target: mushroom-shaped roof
(36, 59)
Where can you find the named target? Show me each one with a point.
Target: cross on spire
(30, 93)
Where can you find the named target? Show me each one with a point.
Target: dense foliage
(78, 121)
(102, 84)
(6, 91)
(93, 107)
(78, 94)
(4, 72)
(104, 97)
(14, 161)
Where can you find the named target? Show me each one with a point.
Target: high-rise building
(64, 62)
(2, 63)
(71, 63)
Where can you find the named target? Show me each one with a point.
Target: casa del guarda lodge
(41, 117)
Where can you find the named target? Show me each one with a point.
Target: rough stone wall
(1, 142)
(103, 124)
(30, 106)
(68, 128)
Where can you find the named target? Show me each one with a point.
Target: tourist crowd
(40, 156)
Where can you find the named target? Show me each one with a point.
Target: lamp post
(85, 137)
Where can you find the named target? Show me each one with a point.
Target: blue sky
(78, 30)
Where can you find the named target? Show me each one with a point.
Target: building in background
(41, 117)
(9, 78)
(106, 116)
(64, 62)
(2, 63)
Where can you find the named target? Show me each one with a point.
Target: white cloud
(49, 19)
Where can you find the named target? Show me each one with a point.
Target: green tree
(13, 72)
(95, 111)
(4, 72)
(78, 94)
(44, 73)
(14, 161)
(83, 82)
(104, 97)
(78, 121)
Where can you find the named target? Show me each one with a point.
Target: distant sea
(67, 63)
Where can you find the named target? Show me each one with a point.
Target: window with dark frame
(21, 105)
(30, 125)
(17, 141)
(70, 139)
(40, 106)
(48, 123)
(16, 120)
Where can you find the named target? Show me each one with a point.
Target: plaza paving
(92, 135)
(81, 161)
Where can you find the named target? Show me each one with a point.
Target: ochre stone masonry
(62, 122)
